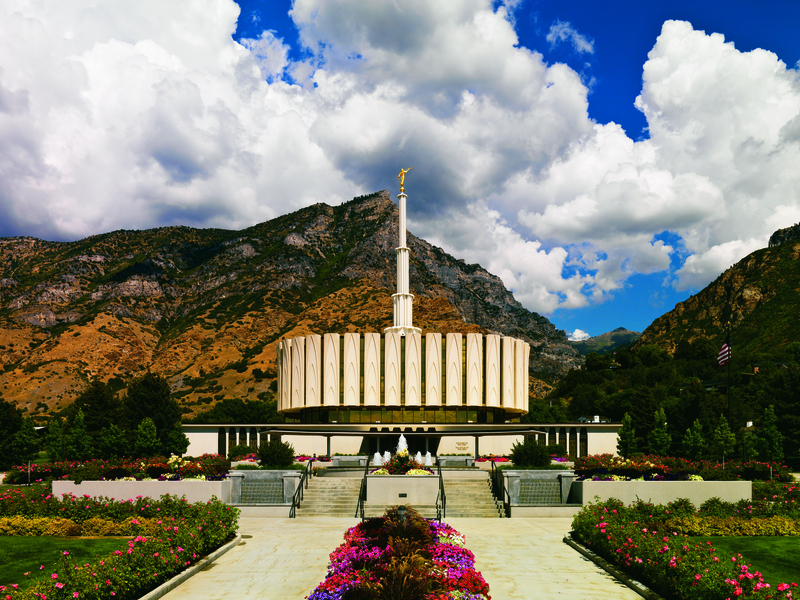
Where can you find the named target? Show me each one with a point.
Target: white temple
(402, 376)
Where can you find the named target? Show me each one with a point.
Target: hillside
(759, 296)
(606, 342)
(205, 307)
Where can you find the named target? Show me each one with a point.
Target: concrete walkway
(287, 558)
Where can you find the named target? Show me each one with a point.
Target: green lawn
(22, 554)
(775, 557)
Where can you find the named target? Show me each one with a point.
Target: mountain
(606, 342)
(759, 296)
(205, 307)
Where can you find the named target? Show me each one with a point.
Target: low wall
(661, 492)
(194, 490)
(349, 461)
(456, 461)
(389, 489)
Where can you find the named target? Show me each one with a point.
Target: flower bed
(208, 466)
(642, 540)
(395, 557)
(493, 458)
(604, 467)
(402, 464)
(171, 534)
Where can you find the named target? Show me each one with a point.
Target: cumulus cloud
(133, 115)
(578, 336)
(563, 31)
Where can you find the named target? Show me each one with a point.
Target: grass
(775, 557)
(21, 555)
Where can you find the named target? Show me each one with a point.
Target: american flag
(724, 355)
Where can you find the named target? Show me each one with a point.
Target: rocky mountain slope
(606, 342)
(759, 296)
(206, 307)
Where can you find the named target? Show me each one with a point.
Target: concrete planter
(661, 492)
(456, 461)
(402, 489)
(194, 490)
(349, 461)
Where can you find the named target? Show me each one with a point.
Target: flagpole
(730, 360)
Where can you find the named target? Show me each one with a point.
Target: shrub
(275, 453)
(239, 452)
(558, 450)
(529, 454)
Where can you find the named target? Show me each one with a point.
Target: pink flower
(54, 576)
(59, 585)
(74, 594)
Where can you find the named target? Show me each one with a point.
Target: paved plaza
(287, 558)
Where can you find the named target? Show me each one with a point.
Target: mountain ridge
(206, 307)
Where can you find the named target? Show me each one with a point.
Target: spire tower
(403, 300)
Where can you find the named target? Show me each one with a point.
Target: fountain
(402, 444)
(377, 460)
(428, 460)
(418, 457)
(386, 457)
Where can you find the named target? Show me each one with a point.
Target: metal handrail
(499, 490)
(441, 511)
(362, 493)
(298, 493)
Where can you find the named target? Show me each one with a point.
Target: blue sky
(606, 160)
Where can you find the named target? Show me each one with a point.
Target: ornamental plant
(402, 557)
(170, 535)
(402, 464)
(639, 541)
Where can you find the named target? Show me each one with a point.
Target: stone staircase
(338, 497)
(471, 497)
(330, 497)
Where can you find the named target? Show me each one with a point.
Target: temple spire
(403, 300)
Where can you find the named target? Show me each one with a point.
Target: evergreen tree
(79, 444)
(147, 443)
(626, 442)
(660, 439)
(175, 441)
(749, 445)
(694, 443)
(100, 407)
(10, 424)
(723, 440)
(149, 397)
(55, 442)
(112, 442)
(769, 441)
(27, 441)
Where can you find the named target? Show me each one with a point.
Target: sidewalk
(287, 558)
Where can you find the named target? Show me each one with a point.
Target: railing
(298, 493)
(362, 494)
(499, 488)
(441, 507)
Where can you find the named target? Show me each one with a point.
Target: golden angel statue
(402, 178)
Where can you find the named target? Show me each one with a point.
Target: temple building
(453, 393)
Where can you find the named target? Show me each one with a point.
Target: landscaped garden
(402, 555)
(164, 537)
(660, 545)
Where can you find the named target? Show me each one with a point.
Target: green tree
(148, 396)
(694, 444)
(27, 441)
(79, 443)
(100, 407)
(175, 441)
(660, 439)
(147, 443)
(55, 442)
(112, 442)
(10, 424)
(769, 441)
(723, 440)
(626, 442)
(749, 445)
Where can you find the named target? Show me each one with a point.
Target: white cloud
(132, 115)
(563, 31)
(578, 336)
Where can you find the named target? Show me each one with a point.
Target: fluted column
(403, 301)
